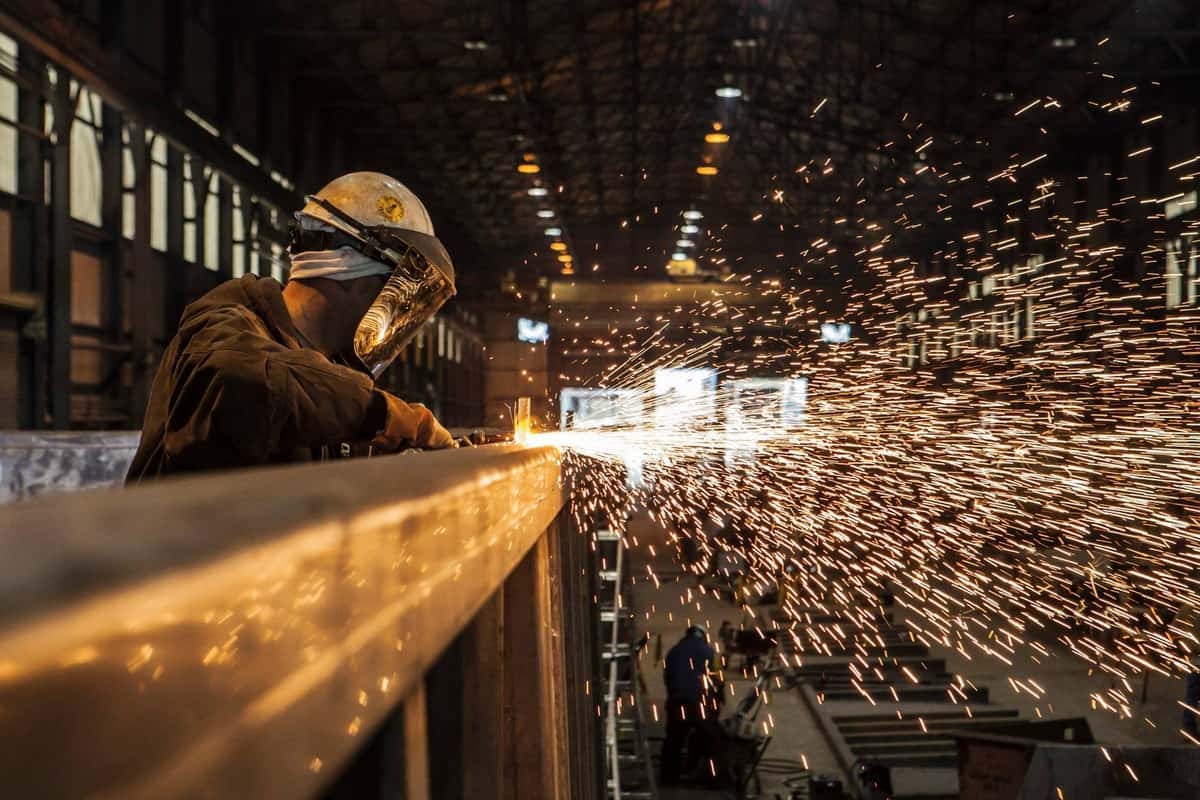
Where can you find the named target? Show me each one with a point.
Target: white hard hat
(376, 200)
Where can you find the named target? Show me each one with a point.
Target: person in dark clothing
(1191, 696)
(689, 703)
(264, 374)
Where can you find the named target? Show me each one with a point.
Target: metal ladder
(629, 771)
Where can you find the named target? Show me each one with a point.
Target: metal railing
(254, 633)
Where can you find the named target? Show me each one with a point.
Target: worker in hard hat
(260, 373)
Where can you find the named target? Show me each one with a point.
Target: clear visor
(413, 293)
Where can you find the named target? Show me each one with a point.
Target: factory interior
(600, 399)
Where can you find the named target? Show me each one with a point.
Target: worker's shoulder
(221, 325)
(691, 647)
(237, 302)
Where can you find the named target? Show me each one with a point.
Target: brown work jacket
(235, 388)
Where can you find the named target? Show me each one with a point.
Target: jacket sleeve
(239, 397)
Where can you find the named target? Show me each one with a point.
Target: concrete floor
(1068, 682)
(666, 606)
(665, 610)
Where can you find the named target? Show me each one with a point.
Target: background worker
(1191, 697)
(690, 704)
(260, 373)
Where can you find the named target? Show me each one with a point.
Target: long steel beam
(219, 636)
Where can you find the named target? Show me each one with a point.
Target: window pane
(276, 262)
(239, 235)
(212, 225)
(8, 110)
(1174, 277)
(128, 179)
(86, 175)
(1193, 270)
(8, 51)
(158, 192)
(189, 213)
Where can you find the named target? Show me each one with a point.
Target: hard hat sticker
(390, 208)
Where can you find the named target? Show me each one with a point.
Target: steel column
(416, 746)
(446, 711)
(581, 667)
(531, 768)
(174, 284)
(30, 228)
(483, 719)
(224, 199)
(58, 289)
(112, 196)
(201, 178)
(141, 297)
(555, 663)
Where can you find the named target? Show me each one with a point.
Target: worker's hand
(438, 438)
(411, 425)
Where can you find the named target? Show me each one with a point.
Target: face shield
(420, 283)
(413, 293)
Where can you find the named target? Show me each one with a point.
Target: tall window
(8, 115)
(239, 234)
(1181, 272)
(128, 182)
(212, 224)
(86, 173)
(158, 192)
(189, 209)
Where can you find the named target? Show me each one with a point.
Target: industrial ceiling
(610, 103)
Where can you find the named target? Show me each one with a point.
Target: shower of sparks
(1009, 444)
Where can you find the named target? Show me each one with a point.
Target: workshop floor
(1069, 684)
(665, 609)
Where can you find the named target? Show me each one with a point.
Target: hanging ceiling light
(693, 214)
(545, 213)
(729, 92)
(679, 256)
(529, 165)
(685, 243)
(553, 231)
(566, 258)
(537, 191)
(690, 230)
(706, 169)
(716, 137)
(559, 247)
